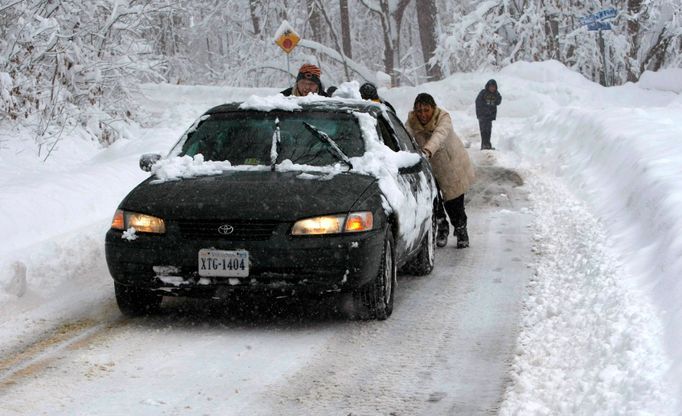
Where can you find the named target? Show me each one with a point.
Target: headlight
(334, 224)
(142, 223)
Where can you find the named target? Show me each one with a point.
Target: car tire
(135, 301)
(422, 264)
(375, 299)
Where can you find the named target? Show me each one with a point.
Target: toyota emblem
(226, 229)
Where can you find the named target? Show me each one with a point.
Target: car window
(387, 134)
(404, 138)
(245, 138)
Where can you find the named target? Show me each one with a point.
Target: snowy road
(563, 299)
(446, 350)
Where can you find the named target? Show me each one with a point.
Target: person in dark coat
(307, 82)
(486, 111)
(330, 90)
(369, 92)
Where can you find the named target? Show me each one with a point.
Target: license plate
(223, 263)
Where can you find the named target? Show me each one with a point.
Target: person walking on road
(486, 111)
(432, 129)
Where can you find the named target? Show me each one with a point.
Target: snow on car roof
(308, 103)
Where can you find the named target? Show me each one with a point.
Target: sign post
(287, 39)
(598, 22)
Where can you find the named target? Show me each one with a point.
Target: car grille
(241, 230)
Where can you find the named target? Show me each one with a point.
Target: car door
(415, 181)
(408, 144)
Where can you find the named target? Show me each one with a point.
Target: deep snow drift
(615, 149)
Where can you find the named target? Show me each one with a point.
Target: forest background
(68, 63)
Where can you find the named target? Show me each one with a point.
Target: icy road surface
(447, 348)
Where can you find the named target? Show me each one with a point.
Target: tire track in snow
(38, 356)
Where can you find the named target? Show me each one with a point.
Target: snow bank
(669, 79)
(620, 153)
(626, 163)
(49, 281)
(588, 345)
(548, 72)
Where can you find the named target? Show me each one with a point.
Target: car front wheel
(375, 299)
(134, 301)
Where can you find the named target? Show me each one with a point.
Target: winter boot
(442, 234)
(462, 236)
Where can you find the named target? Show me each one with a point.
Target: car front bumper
(283, 263)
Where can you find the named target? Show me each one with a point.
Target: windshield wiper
(333, 147)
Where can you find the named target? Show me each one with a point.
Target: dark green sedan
(327, 197)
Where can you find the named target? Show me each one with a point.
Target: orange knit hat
(308, 71)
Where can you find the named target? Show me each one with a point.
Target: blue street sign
(599, 26)
(587, 20)
(606, 14)
(597, 19)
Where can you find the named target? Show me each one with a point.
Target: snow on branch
(356, 67)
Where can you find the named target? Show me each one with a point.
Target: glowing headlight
(319, 225)
(334, 224)
(142, 223)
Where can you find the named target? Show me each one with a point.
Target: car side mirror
(416, 168)
(147, 160)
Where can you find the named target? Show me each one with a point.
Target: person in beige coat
(432, 129)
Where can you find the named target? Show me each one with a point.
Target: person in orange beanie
(307, 82)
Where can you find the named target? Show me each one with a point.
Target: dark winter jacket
(487, 102)
(368, 91)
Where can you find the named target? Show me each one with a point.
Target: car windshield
(245, 138)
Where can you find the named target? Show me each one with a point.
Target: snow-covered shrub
(71, 63)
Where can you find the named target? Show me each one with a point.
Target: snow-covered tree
(646, 34)
(67, 62)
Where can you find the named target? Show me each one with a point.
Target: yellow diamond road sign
(287, 40)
